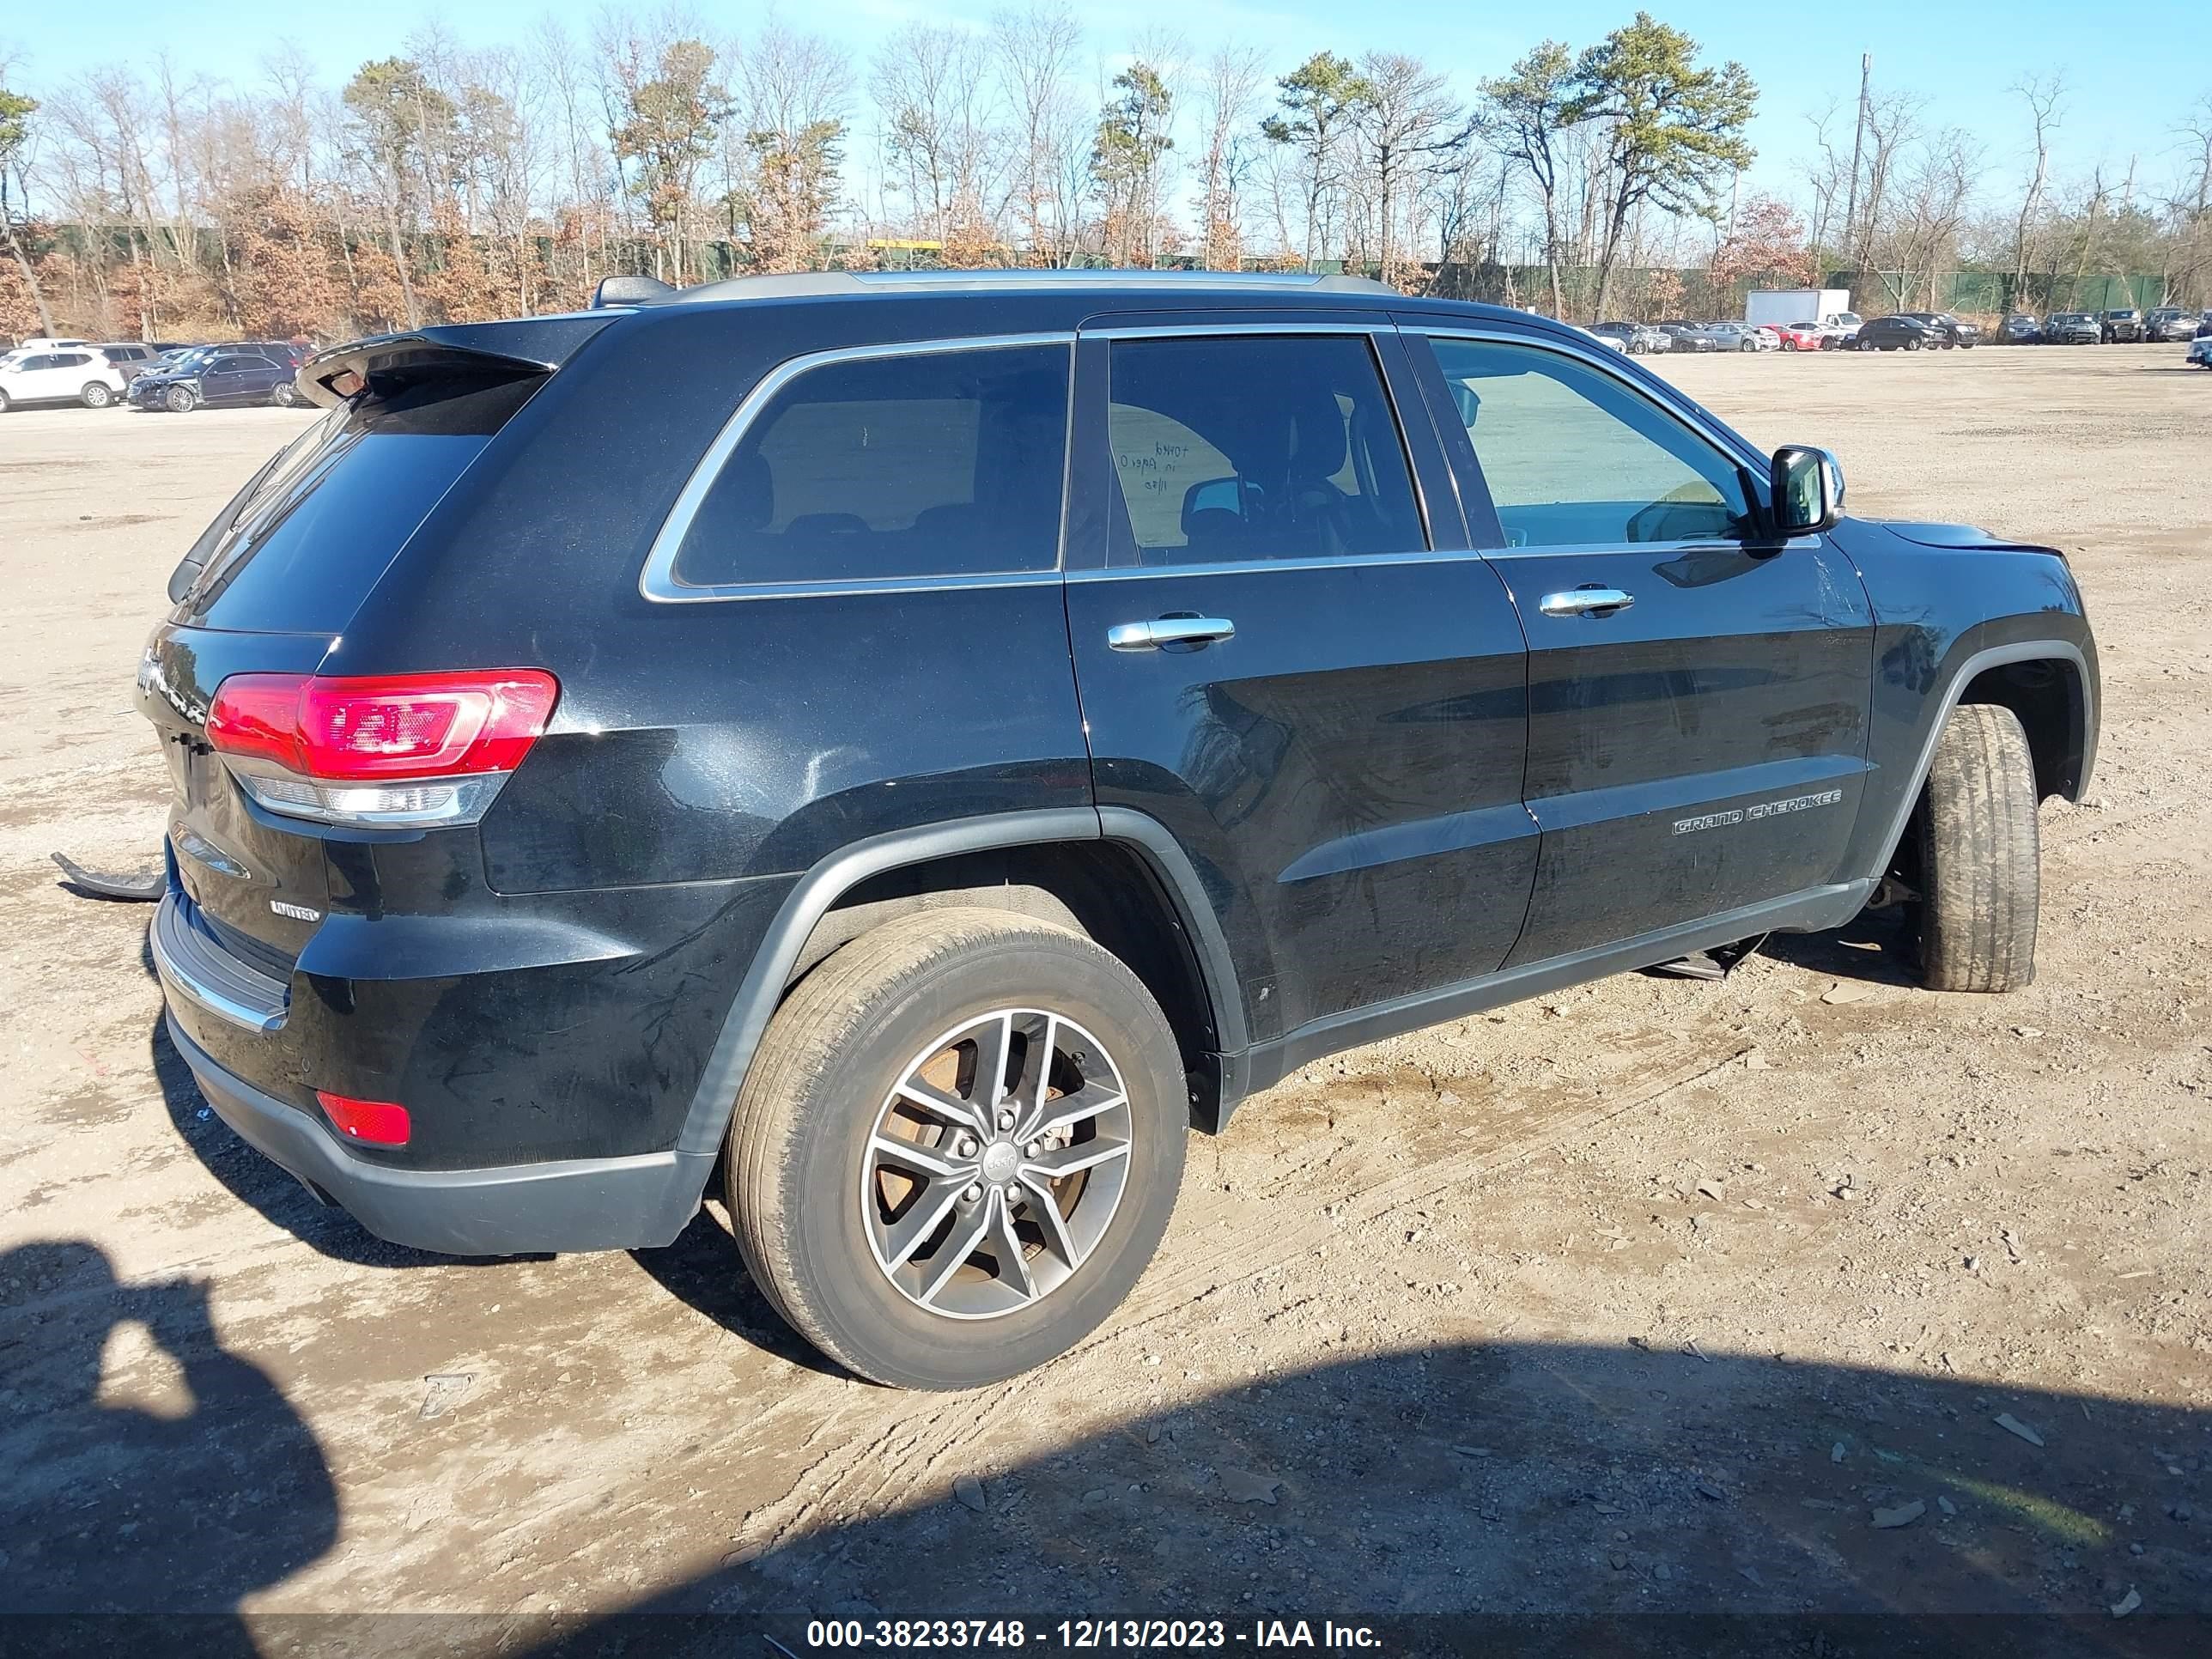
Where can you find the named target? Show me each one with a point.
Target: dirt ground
(1655, 1295)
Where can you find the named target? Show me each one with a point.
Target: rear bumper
(577, 1204)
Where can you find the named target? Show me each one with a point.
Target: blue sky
(2132, 73)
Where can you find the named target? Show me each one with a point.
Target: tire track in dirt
(1202, 1278)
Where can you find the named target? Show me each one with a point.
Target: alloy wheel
(995, 1163)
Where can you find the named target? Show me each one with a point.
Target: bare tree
(1404, 117)
(929, 88)
(1228, 89)
(1034, 54)
(2042, 98)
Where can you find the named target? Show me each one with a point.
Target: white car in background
(73, 375)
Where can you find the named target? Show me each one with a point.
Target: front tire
(898, 1202)
(1980, 854)
(181, 399)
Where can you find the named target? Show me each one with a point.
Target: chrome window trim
(1234, 566)
(657, 582)
(1729, 443)
(1694, 544)
(1201, 331)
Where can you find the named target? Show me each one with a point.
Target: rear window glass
(308, 542)
(936, 464)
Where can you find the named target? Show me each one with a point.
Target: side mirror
(1808, 490)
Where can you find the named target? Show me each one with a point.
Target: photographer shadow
(177, 1484)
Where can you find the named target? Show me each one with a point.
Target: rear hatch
(268, 590)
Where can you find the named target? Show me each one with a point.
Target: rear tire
(1980, 855)
(284, 394)
(96, 395)
(5, 405)
(818, 1204)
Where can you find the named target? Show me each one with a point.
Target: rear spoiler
(525, 346)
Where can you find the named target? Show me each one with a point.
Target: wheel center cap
(1001, 1160)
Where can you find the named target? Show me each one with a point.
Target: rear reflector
(379, 1122)
(392, 751)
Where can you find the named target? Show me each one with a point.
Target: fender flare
(1996, 656)
(707, 1120)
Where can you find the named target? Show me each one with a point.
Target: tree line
(447, 182)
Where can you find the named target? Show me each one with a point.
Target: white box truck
(1825, 306)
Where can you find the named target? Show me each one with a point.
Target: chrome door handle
(1169, 630)
(1585, 601)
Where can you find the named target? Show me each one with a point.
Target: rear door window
(1256, 447)
(306, 545)
(931, 463)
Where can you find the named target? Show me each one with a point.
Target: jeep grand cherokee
(917, 742)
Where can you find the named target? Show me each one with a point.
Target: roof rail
(807, 284)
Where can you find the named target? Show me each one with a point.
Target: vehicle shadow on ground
(254, 1181)
(1519, 1478)
(1874, 945)
(196, 1486)
(702, 1270)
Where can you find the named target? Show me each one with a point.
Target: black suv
(218, 376)
(1947, 329)
(918, 742)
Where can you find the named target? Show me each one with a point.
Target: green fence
(1993, 291)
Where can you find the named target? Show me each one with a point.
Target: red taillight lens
(380, 1123)
(380, 726)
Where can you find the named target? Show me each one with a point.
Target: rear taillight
(394, 750)
(379, 1122)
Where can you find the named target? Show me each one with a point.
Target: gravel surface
(1650, 1295)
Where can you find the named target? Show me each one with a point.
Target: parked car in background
(1801, 336)
(1842, 328)
(1898, 333)
(1615, 338)
(1949, 330)
(1743, 336)
(580, 872)
(218, 376)
(42, 342)
(1635, 338)
(2072, 328)
(2200, 349)
(2018, 329)
(77, 376)
(132, 357)
(2120, 327)
(2165, 323)
(1687, 336)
